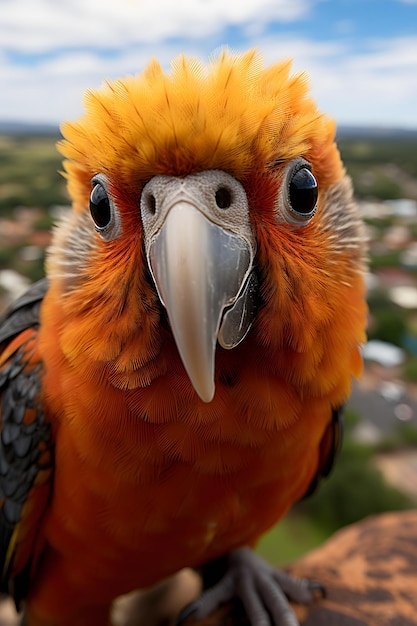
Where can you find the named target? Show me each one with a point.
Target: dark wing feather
(330, 445)
(25, 442)
(24, 312)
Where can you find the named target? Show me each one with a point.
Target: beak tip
(205, 392)
(207, 398)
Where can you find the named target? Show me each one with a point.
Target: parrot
(176, 382)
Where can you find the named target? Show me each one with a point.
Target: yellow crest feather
(231, 114)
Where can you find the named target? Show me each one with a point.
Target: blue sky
(361, 55)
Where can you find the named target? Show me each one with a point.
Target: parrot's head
(210, 205)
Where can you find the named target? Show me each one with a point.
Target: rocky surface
(369, 571)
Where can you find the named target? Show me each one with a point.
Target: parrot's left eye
(102, 210)
(299, 193)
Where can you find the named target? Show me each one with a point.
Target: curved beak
(199, 269)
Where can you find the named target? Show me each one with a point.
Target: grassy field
(295, 535)
(29, 173)
(381, 167)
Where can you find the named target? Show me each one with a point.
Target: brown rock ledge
(369, 571)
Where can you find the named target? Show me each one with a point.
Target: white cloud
(376, 85)
(373, 84)
(381, 84)
(52, 91)
(43, 25)
(397, 53)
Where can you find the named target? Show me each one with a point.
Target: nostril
(223, 198)
(151, 203)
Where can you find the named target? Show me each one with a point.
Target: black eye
(223, 198)
(302, 193)
(100, 206)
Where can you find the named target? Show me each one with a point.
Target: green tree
(354, 490)
(389, 325)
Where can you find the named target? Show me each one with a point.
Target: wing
(330, 445)
(25, 442)
(23, 313)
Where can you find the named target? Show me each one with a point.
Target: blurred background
(361, 56)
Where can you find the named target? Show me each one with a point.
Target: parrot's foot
(262, 590)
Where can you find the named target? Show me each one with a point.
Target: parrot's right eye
(103, 211)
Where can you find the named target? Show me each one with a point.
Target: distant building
(408, 258)
(397, 237)
(404, 207)
(404, 296)
(384, 353)
(13, 283)
(381, 410)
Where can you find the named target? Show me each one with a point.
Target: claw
(186, 612)
(318, 590)
(263, 591)
(300, 590)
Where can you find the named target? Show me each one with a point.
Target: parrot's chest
(167, 495)
(146, 491)
(153, 529)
